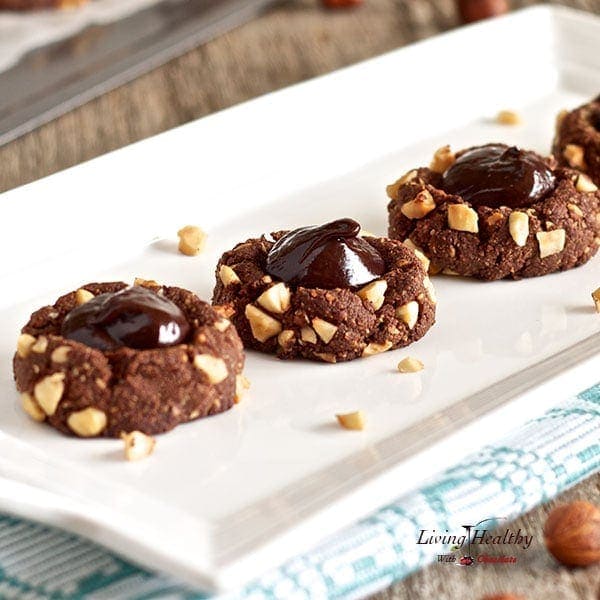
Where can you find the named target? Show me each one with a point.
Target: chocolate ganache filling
(497, 175)
(134, 317)
(325, 256)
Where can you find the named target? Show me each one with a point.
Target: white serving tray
(226, 498)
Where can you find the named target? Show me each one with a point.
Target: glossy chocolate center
(498, 175)
(134, 317)
(326, 256)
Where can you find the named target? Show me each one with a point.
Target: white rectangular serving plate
(226, 498)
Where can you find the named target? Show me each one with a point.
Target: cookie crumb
(354, 420)
(509, 117)
(138, 445)
(191, 240)
(410, 365)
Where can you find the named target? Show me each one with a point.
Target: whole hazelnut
(476, 10)
(572, 534)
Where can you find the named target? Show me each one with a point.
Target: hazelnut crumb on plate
(192, 240)
(354, 420)
(410, 365)
(596, 299)
(508, 117)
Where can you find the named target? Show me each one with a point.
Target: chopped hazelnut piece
(494, 218)
(410, 244)
(596, 299)
(430, 289)
(138, 445)
(434, 269)
(551, 242)
(24, 345)
(463, 218)
(87, 422)
(49, 391)
(409, 313)
(147, 283)
(443, 159)
(225, 311)
(424, 260)
(263, 326)
(392, 189)
(418, 252)
(222, 324)
(41, 345)
(286, 337)
(32, 408)
(575, 209)
(228, 276)
(60, 355)
(82, 296)
(307, 334)
(374, 348)
(508, 117)
(242, 385)
(354, 420)
(575, 156)
(276, 299)
(374, 293)
(518, 226)
(214, 368)
(191, 240)
(421, 205)
(324, 329)
(327, 357)
(585, 184)
(410, 365)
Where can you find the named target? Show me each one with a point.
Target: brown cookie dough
(38, 4)
(83, 391)
(330, 325)
(558, 232)
(577, 140)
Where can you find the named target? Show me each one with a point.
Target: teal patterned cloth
(533, 464)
